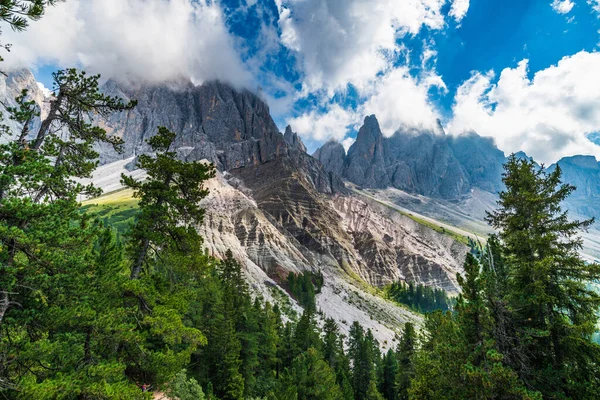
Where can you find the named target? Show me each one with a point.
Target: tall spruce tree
(333, 353)
(388, 386)
(404, 353)
(312, 378)
(548, 293)
(363, 351)
(166, 262)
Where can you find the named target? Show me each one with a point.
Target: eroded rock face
(293, 140)
(283, 225)
(332, 155)
(365, 162)
(11, 86)
(265, 234)
(394, 247)
(418, 161)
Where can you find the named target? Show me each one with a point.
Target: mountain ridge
(445, 167)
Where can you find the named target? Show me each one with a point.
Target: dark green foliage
(168, 204)
(304, 287)
(309, 377)
(389, 373)
(405, 355)
(419, 297)
(60, 271)
(551, 308)
(524, 322)
(364, 354)
(184, 388)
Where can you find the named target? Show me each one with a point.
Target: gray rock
(230, 128)
(584, 173)
(481, 160)
(365, 162)
(293, 140)
(332, 155)
(227, 127)
(426, 162)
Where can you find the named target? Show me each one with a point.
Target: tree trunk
(39, 140)
(4, 304)
(137, 266)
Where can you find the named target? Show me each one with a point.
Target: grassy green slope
(118, 208)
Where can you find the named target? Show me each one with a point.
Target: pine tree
(333, 353)
(363, 351)
(60, 272)
(554, 310)
(470, 304)
(36, 168)
(229, 382)
(390, 371)
(235, 290)
(306, 334)
(269, 341)
(311, 378)
(169, 209)
(404, 354)
(184, 388)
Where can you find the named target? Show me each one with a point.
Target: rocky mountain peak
(586, 162)
(439, 128)
(332, 155)
(366, 159)
(231, 128)
(521, 155)
(370, 132)
(292, 139)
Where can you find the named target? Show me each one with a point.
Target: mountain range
(392, 208)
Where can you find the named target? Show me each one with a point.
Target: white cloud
(595, 5)
(341, 42)
(318, 126)
(547, 116)
(136, 39)
(347, 143)
(562, 6)
(45, 91)
(459, 9)
(397, 99)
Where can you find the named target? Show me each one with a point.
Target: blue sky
(521, 71)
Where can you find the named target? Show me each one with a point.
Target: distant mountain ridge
(431, 163)
(426, 162)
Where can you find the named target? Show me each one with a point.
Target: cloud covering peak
(133, 39)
